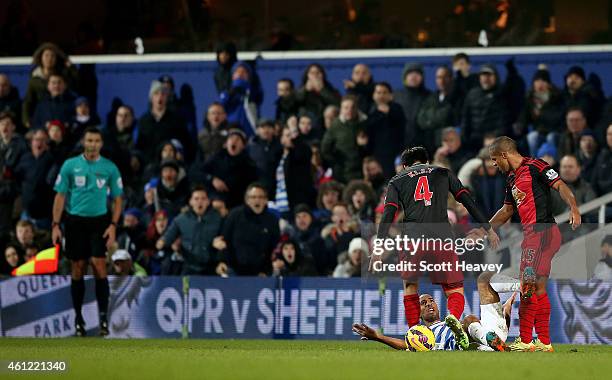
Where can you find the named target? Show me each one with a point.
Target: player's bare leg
(77, 291)
(412, 308)
(488, 298)
(542, 319)
(102, 291)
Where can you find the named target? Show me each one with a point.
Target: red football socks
(455, 304)
(527, 315)
(412, 309)
(542, 318)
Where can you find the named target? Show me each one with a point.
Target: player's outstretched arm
(570, 200)
(368, 333)
(502, 216)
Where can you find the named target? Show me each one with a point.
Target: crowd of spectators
(289, 195)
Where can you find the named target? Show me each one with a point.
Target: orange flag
(45, 262)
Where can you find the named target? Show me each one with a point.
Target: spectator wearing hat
(579, 93)
(243, 99)
(58, 144)
(123, 265)
(227, 173)
(385, 127)
(361, 85)
(36, 172)
(214, 133)
(602, 180)
(81, 120)
(9, 99)
(576, 123)
(485, 110)
(168, 151)
(57, 103)
(587, 153)
(316, 93)
(307, 232)
(265, 150)
(199, 231)
(226, 57)
(160, 124)
(290, 261)
(150, 201)
(130, 236)
(349, 262)
(543, 112)
(250, 234)
(410, 97)
(548, 153)
(172, 191)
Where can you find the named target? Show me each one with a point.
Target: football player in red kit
(421, 191)
(528, 191)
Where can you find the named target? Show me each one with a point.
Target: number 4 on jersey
(422, 193)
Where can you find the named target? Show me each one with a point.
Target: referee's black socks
(77, 290)
(102, 293)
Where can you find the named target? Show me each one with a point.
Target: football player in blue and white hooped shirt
(430, 317)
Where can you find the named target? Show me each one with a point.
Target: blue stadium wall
(267, 308)
(130, 81)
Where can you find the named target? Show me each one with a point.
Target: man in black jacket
(602, 180)
(227, 173)
(161, 124)
(37, 171)
(410, 98)
(12, 148)
(484, 110)
(9, 98)
(250, 234)
(265, 151)
(385, 128)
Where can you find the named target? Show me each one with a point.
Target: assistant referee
(83, 186)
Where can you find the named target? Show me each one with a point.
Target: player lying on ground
(528, 191)
(487, 333)
(421, 191)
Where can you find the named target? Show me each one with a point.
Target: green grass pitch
(94, 358)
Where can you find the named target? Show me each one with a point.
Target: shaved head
(503, 144)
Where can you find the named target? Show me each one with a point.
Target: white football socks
(478, 332)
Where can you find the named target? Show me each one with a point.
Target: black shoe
(103, 328)
(79, 328)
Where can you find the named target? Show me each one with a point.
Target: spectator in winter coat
(316, 93)
(361, 85)
(439, 110)
(291, 262)
(385, 127)
(161, 124)
(9, 99)
(576, 123)
(250, 234)
(337, 236)
(265, 150)
(56, 104)
(243, 99)
(349, 262)
(227, 173)
(410, 98)
(172, 192)
(286, 103)
(544, 110)
(345, 143)
(12, 148)
(199, 230)
(212, 137)
(226, 57)
(579, 93)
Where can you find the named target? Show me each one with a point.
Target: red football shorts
(539, 248)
